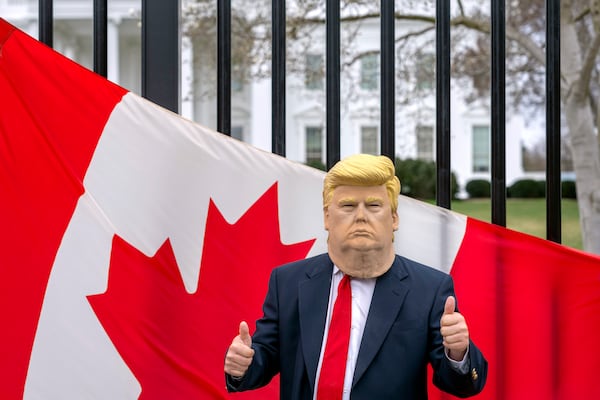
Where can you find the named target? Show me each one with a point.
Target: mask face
(359, 220)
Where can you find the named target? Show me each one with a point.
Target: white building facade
(305, 93)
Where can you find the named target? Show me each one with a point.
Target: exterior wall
(251, 106)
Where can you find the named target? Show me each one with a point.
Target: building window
(314, 144)
(481, 148)
(425, 143)
(369, 140)
(313, 74)
(237, 84)
(237, 78)
(425, 71)
(369, 72)
(237, 132)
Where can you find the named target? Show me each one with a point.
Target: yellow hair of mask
(362, 170)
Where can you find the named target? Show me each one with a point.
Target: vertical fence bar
(388, 83)
(498, 119)
(333, 81)
(100, 37)
(498, 161)
(553, 179)
(442, 28)
(224, 63)
(278, 78)
(553, 173)
(160, 52)
(46, 22)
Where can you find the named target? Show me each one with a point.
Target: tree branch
(355, 18)
(511, 33)
(461, 7)
(586, 11)
(479, 25)
(414, 33)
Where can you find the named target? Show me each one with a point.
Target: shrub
(527, 188)
(568, 189)
(418, 178)
(317, 164)
(478, 188)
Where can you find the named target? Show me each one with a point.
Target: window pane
(314, 144)
(313, 78)
(425, 71)
(425, 143)
(237, 85)
(369, 140)
(237, 132)
(369, 72)
(481, 148)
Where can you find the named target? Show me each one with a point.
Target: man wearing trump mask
(358, 322)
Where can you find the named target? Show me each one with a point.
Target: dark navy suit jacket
(401, 336)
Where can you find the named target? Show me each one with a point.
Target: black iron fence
(160, 83)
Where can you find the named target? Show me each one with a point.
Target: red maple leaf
(174, 342)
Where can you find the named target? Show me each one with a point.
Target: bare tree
(580, 41)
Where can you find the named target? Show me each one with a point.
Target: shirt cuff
(462, 366)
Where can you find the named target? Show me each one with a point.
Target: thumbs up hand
(454, 330)
(240, 353)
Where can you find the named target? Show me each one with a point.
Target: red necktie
(333, 368)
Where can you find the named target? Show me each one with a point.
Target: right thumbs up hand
(240, 353)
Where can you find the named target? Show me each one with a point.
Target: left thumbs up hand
(454, 330)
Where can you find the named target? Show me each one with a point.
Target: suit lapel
(313, 299)
(387, 300)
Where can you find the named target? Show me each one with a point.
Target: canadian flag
(134, 241)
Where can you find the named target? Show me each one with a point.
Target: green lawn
(527, 215)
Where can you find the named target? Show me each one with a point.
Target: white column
(260, 129)
(187, 78)
(112, 44)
